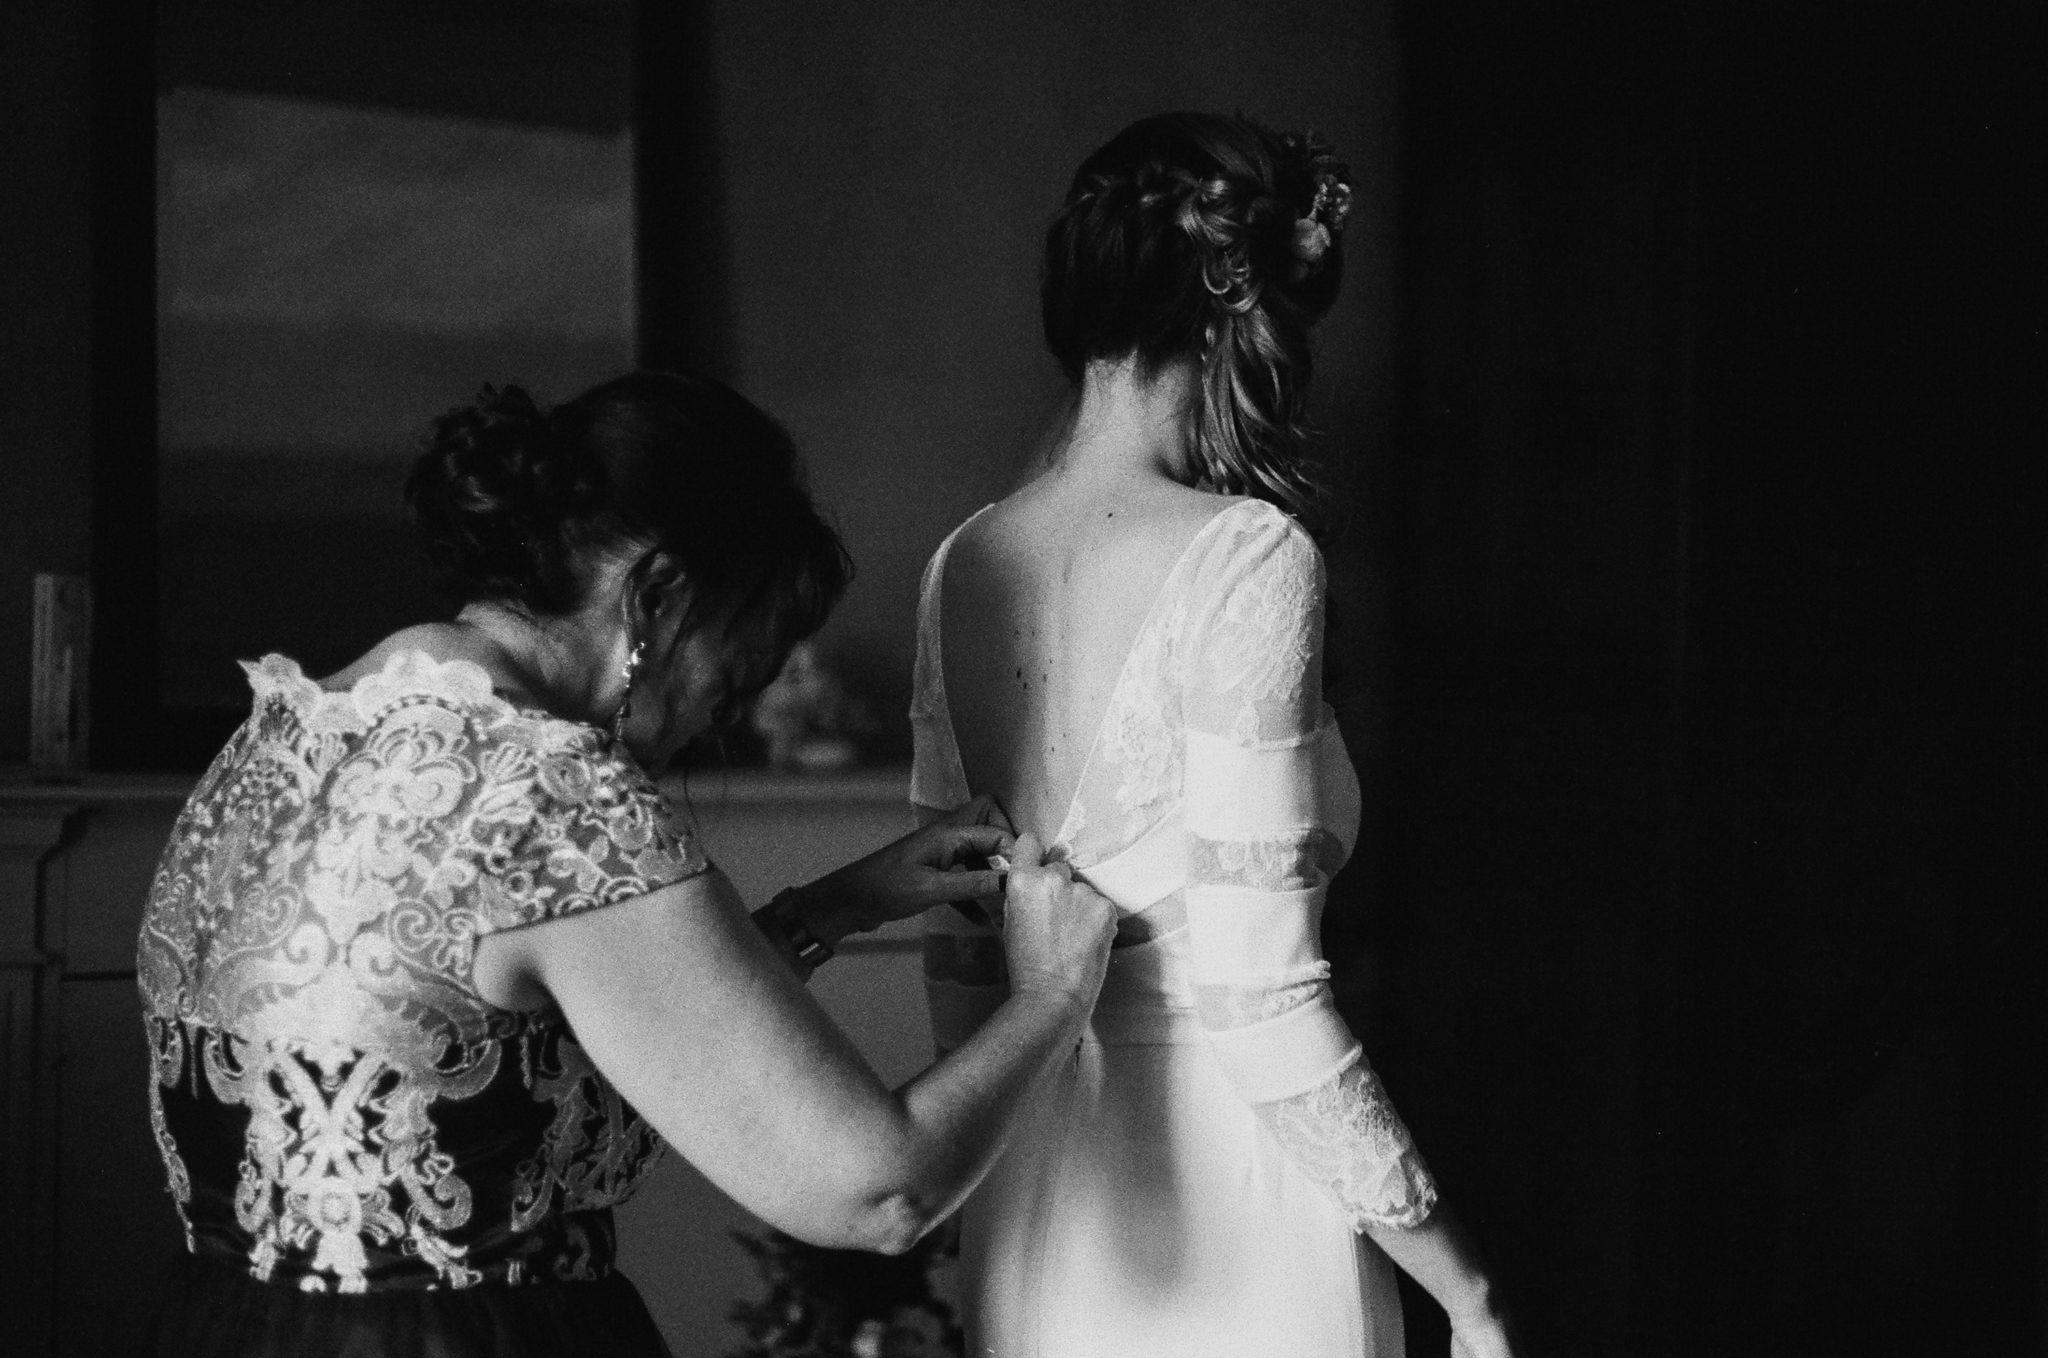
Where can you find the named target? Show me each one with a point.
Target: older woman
(430, 968)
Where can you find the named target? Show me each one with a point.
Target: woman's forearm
(958, 1114)
(1440, 1255)
(682, 1001)
(800, 917)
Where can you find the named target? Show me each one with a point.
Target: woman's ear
(657, 582)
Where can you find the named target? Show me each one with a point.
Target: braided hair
(1191, 235)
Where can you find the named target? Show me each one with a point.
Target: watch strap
(811, 952)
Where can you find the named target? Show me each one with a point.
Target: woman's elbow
(895, 1224)
(890, 1225)
(883, 1202)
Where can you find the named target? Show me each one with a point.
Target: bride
(1127, 652)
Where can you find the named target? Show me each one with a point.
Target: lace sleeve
(1270, 806)
(557, 831)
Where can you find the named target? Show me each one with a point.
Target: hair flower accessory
(1311, 240)
(1317, 229)
(1333, 199)
(1314, 232)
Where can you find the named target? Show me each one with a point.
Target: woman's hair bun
(1191, 235)
(497, 498)
(523, 505)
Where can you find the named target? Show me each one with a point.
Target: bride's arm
(1261, 783)
(1440, 1256)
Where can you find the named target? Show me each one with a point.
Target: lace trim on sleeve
(1346, 1136)
(1294, 861)
(1283, 862)
(1222, 1007)
(598, 833)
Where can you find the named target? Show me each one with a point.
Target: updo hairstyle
(1196, 236)
(516, 503)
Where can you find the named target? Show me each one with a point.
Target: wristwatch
(811, 952)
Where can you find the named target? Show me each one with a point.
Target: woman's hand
(1056, 931)
(1483, 1337)
(1481, 1328)
(1441, 1255)
(946, 860)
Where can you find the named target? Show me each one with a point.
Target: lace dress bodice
(1218, 790)
(339, 1109)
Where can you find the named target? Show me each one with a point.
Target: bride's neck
(1129, 424)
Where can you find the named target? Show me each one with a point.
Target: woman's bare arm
(686, 1007)
(1440, 1255)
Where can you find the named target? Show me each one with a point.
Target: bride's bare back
(1042, 597)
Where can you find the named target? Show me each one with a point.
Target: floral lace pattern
(1346, 1136)
(339, 1156)
(1139, 746)
(1261, 651)
(1292, 861)
(1240, 1006)
(594, 1153)
(167, 1052)
(305, 968)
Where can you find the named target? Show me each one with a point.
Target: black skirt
(216, 1310)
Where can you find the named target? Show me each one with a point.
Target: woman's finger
(967, 886)
(1027, 852)
(976, 841)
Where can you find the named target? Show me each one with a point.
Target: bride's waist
(1144, 1024)
(1147, 995)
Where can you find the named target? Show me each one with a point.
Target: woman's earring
(629, 671)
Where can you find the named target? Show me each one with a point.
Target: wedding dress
(1194, 1181)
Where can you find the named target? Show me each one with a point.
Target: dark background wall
(1687, 370)
(1719, 367)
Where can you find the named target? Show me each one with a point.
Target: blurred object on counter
(807, 717)
(62, 641)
